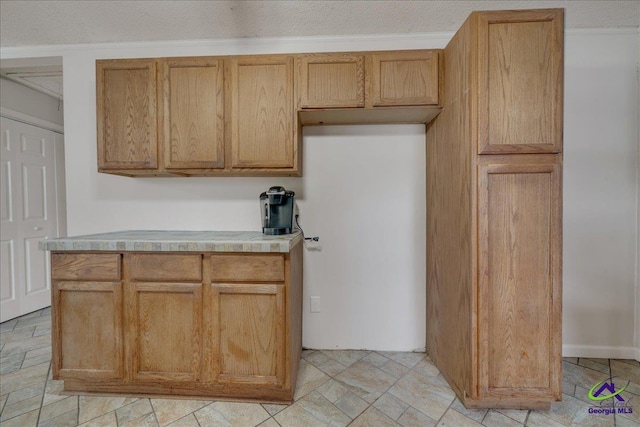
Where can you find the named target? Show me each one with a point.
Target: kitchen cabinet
(164, 316)
(331, 80)
(192, 111)
(404, 78)
(127, 116)
(87, 316)
(263, 131)
(494, 203)
(188, 323)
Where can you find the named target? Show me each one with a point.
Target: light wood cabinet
(192, 106)
(404, 78)
(494, 203)
(188, 324)
(87, 317)
(331, 80)
(263, 134)
(127, 116)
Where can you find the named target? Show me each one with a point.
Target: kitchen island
(180, 313)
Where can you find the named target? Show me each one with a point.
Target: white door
(30, 185)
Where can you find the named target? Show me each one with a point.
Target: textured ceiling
(24, 23)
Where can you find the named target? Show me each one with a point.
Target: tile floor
(335, 388)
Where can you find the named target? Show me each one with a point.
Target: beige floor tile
(107, 420)
(536, 419)
(515, 414)
(366, 380)
(30, 419)
(133, 411)
(373, 417)
(391, 406)
(581, 376)
(270, 423)
(625, 371)
(594, 364)
(17, 335)
(25, 346)
(625, 422)
(19, 408)
(627, 361)
(573, 360)
(475, 414)
(148, 420)
(346, 357)
(414, 418)
(331, 367)
(52, 392)
(7, 326)
(424, 394)
(351, 405)
(453, 418)
(332, 390)
(3, 400)
(68, 419)
(188, 421)
(426, 368)
(311, 411)
(24, 378)
(58, 408)
(497, 419)
(376, 359)
(95, 406)
(572, 411)
(407, 359)
(273, 408)
(317, 358)
(11, 363)
(170, 410)
(568, 388)
(232, 414)
(394, 369)
(309, 378)
(25, 393)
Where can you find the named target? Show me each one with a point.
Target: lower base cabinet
(179, 324)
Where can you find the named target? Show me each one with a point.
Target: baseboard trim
(600, 352)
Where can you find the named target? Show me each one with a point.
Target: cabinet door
(332, 80)
(262, 112)
(193, 113)
(520, 82)
(165, 335)
(127, 118)
(405, 78)
(519, 299)
(250, 327)
(87, 330)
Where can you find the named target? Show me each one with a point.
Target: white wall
(600, 193)
(600, 196)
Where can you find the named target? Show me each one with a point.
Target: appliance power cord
(307, 239)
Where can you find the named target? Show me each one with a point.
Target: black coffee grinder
(276, 207)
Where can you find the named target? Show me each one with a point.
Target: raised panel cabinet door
(87, 330)
(262, 112)
(249, 321)
(519, 298)
(331, 80)
(520, 81)
(193, 112)
(165, 336)
(126, 114)
(405, 78)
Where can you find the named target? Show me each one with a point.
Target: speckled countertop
(175, 241)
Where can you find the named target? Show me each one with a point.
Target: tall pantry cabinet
(494, 211)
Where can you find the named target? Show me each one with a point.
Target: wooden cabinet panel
(331, 80)
(262, 112)
(165, 330)
(520, 76)
(251, 329)
(127, 117)
(405, 78)
(192, 105)
(519, 228)
(239, 268)
(166, 267)
(87, 330)
(85, 266)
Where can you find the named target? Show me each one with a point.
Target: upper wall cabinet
(263, 131)
(127, 115)
(404, 78)
(331, 80)
(192, 111)
(520, 74)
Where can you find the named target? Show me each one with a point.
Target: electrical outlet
(315, 304)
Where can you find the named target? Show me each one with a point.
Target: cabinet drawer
(85, 266)
(240, 268)
(166, 267)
